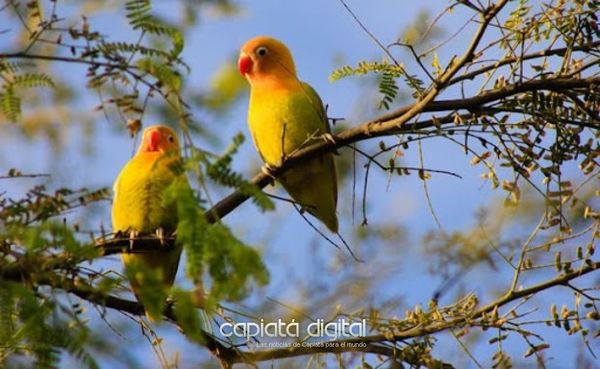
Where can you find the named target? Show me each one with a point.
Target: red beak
(245, 64)
(153, 140)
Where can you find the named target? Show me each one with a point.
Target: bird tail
(313, 187)
(328, 218)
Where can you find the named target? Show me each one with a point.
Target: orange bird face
(159, 139)
(265, 57)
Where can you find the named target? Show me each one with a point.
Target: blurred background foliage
(71, 71)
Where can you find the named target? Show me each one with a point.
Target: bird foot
(160, 234)
(268, 170)
(170, 300)
(133, 234)
(328, 137)
(283, 158)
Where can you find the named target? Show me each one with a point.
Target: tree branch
(513, 59)
(66, 59)
(374, 341)
(375, 344)
(142, 244)
(85, 291)
(391, 124)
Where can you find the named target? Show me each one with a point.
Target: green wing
(317, 103)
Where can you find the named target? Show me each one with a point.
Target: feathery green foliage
(11, 103)
(388, 88)
(387, 73)
(139, 14)
(220, 171)
(213, 250)
(34, 320)
(364, 68)
(9, 100)
(506, 107)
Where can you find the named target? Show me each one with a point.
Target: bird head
(264, 58)
(159, 139)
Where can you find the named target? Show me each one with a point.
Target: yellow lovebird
(285, 113)
(139, 205)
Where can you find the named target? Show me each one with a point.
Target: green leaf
(213, 249)
(365, 67)
(389, 89)
(11, 104)
(165, 75)
(220, 172)
(178, 43)
(32, 80)
(186, 313)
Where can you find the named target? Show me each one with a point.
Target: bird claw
(268, 170)
(133, 234)
(328, 137)
(160, 234)
(283, 158)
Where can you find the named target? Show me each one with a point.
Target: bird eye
(171, 139)
(262, 51)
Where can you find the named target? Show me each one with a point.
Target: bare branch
(513, 59)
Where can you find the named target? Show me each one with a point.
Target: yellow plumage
(139, 201)
(285, 113)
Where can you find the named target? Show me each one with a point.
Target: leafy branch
(393, 123)
(377, 344)
(518, 127)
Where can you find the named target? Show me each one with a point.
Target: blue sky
(320, 34)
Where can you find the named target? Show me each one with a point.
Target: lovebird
(284, 114)
(140, 206)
